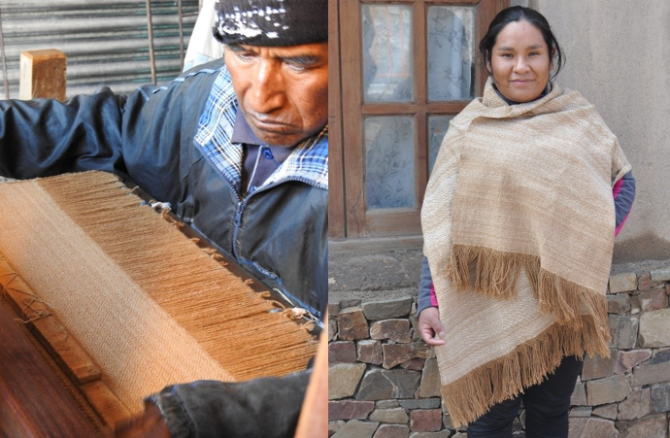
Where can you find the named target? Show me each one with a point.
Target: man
(240, 151)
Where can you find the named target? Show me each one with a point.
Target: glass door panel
(451, 52)
(387, 53)
(389, 162)
(437, 130)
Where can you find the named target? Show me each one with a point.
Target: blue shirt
(260, 159)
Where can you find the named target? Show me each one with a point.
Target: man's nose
(267, 88)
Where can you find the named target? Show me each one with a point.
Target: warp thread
(267, 296)
(166, 215)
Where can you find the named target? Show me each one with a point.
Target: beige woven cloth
(147, 304)
(518, 224)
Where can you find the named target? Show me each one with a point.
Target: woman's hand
(430, 326)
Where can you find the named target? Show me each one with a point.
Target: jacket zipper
(241, 204)
(239, 207)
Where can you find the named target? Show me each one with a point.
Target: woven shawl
(518, 224)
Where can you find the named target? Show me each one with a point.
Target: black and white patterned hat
(271, 22)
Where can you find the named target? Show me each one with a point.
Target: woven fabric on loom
(145, 302)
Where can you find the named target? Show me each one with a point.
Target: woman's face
(520, 62)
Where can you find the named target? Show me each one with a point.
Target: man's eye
(244, 56)
(296, 66)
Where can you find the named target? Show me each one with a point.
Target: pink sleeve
(433, 298)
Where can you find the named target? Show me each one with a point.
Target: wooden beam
(336, 171)
(33, 401)
(61, 346)
(42, 74)
(47, 329)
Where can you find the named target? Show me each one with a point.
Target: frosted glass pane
(451, 53)
(437, 129)
(389, 162)
(387, 53)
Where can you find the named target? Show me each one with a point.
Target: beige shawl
(518, 224)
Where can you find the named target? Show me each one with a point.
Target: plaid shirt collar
(307, 163)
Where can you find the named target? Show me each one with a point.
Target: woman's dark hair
(518, 13)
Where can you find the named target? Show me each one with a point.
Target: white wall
(618, 57)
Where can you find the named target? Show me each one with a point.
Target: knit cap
(271, 22)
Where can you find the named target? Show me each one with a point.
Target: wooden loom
(125, 302)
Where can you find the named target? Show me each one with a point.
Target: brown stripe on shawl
(495, 274)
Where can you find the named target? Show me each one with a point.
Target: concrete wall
(618, 57)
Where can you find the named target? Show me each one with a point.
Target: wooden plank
(105, 403)
(42, 74)
(336, 171)
(32, 399)
(53, 336)
(70, 356)
(487, 11)
(62, 347)
(373, 109)
(352, 133)
(420, 52)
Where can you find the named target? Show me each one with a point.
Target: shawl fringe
(472, 395)
(495, 274)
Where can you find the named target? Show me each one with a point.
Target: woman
(518, 224)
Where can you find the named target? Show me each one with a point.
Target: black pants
(546, 404)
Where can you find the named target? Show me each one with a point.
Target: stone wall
(384, 383)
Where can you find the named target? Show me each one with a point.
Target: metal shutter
(106, 43)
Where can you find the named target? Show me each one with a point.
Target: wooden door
(404, 69)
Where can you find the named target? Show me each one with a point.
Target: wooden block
(65, 350)
(42, 74)
(69, 355)
(105, 403)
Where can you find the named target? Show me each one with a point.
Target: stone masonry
(384, 382)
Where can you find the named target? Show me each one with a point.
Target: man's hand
(150, 424)
(430, 326)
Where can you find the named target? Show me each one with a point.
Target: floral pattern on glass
(437, 129)
(451, 53)
(389, 162)
(387, 53)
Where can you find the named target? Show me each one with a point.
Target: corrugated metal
(106, 43)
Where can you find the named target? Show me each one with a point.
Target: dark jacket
(279, 234)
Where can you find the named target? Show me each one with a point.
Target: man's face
(282, 91)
